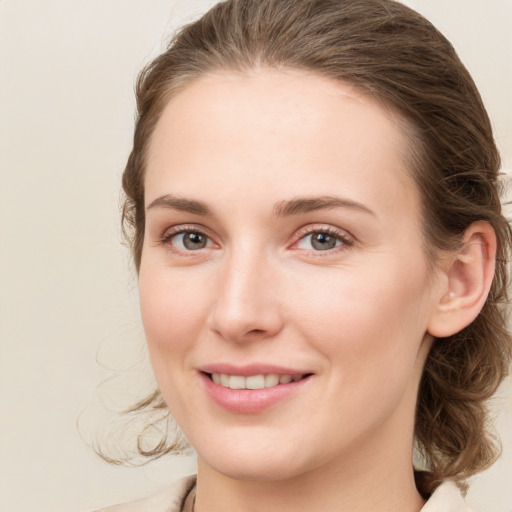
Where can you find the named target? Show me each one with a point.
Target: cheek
(371, 339)
(173, 317)
(172, 309)
(372, 323)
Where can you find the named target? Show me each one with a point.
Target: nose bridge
(244, 308)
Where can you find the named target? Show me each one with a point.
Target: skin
(356, 316)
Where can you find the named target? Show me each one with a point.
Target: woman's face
(283, 243)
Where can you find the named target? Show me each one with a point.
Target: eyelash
(346, 240)
(169, 234)
(343, 237)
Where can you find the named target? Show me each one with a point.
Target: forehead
(269, 129)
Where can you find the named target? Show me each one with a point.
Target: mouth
(252, 389)
(254, 382)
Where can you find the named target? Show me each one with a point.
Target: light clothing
(446, 498)
(171, 499)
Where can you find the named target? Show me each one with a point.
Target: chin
(257, 461)
(260, 470)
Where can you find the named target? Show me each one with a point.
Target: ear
(464, 282)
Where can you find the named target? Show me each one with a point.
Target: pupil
(194, 241)
(323, 242)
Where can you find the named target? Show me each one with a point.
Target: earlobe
(466, 281)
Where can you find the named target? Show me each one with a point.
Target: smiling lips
(251, 390)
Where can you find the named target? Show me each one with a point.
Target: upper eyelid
(183, 228)
(322, 228)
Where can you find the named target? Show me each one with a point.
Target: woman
(313, 208)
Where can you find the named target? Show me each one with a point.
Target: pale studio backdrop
(67, 296)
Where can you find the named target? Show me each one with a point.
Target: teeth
(237, 382)
(271, 380)
(253, 381)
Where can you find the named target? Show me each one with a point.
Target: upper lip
(251, 369)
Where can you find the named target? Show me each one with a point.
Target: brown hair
(389, 50)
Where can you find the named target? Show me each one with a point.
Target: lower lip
(250, 401)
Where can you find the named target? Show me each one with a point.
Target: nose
(246, 306)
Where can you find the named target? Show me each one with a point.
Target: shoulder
(446, 498)
(169, 500)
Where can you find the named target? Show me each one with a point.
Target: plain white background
(67, 294)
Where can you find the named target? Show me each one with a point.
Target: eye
(188, 240)
(319, 242)
(322, 240)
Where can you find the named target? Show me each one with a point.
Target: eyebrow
(181, 204)
(290, 207)
(303, 205)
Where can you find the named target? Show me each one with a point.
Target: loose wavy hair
(387, 49)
